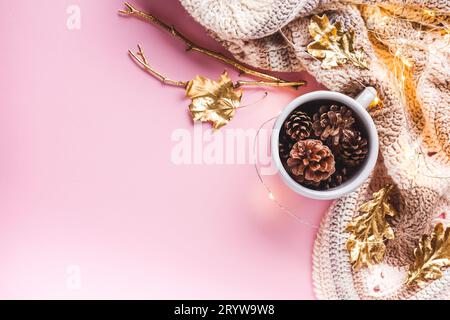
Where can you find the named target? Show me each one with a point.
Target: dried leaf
(369, 230)
(212, 101)
(431, 256)
(333, 45)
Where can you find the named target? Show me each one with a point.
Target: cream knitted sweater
(413, 124)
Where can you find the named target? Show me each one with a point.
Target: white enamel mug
(358, 106)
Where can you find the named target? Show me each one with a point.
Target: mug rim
(365, 169)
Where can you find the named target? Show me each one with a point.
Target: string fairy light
(280, 205)
(298, 219)
(402, 68)
(403, 71)
(429, 13)
(417, 147)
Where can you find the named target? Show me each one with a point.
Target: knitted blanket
(409, 64)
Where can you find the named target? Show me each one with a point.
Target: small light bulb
(403, 78)
(428, 12)
(376, 100)
(409, 152)
(406, 62)
(445, 32)
(271, 196)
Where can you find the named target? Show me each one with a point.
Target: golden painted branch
(140, 58)
(132, 11)
(296, 84)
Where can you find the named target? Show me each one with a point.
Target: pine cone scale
(315, 166)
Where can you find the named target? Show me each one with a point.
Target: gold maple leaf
(212, 101)
(333, 45)
(369, 230)
(431, 256)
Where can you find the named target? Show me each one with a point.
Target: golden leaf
(369, 230)
(431, 256)
(333, 45)
(212, 101)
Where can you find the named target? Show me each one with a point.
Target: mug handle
(366, 97)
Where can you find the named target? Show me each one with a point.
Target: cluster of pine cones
(323, 149)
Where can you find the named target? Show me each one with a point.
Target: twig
(142, 60)
(139, 57)
(132, 11)
(296, 84)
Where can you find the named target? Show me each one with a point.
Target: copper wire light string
(287, 211)
(274, 198)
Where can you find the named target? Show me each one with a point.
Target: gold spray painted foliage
(369, 230)
(431, 256)
(333, 45)
(213, 101)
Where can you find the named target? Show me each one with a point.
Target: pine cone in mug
(353, 149)
(311, 161)
(335, 180)
(330, 123)
(298, 126)
(284, 145)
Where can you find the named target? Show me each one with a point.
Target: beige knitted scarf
(413, 124)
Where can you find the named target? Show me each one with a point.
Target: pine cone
(336, 179)
(330, 123)
(298, 126)
(310, 161)
(284, 145)
(353, 149)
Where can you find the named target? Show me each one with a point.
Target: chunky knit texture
(413, 124)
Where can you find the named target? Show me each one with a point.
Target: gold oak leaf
(333, 45)
(212, 101)
(370, 229)
(431, 256)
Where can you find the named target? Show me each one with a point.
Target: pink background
(86, 178)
